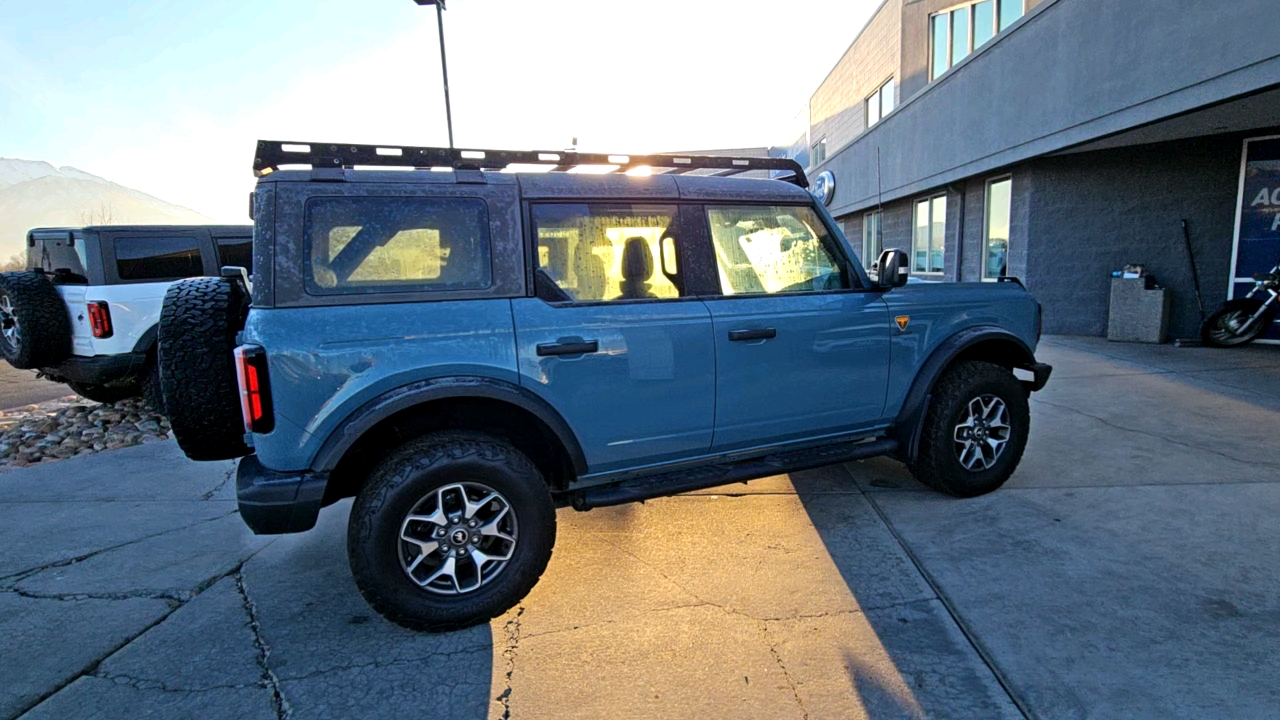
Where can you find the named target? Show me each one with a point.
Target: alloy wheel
(983, 433)
(458, 538)
(9, 327)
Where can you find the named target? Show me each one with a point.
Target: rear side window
(373, 244)
(157, 258)
(601, 252)
(236, 251)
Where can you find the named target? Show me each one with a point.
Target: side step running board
(706, 476)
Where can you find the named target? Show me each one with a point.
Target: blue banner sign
(1257, 247)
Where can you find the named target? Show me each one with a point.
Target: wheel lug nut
(473, 523)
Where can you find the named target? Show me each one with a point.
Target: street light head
(431, 2)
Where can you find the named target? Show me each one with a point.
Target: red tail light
(100, 319)
(255, 391)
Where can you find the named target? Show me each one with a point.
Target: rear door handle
(761, 334)
(568, 348)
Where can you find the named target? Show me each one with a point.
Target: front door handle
(761, 334)
(568, 348)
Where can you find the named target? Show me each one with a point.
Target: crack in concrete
(150, 684)
(777, 658)
(179, 596)
(226, 479)
(91, 669)
(512, 629)
(8, 581)
(269, 680)
(1157, 436)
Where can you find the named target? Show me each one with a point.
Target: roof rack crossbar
(271, 155)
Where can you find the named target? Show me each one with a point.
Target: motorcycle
(1243, 320)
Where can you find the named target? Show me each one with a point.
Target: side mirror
(892, 269)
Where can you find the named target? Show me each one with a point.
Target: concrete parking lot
(1129, 569)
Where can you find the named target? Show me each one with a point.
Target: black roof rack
(271, 155)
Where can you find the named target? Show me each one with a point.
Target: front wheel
(449, 531)
(1224, 327)
(975, 430)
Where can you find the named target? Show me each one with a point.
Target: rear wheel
(35, 328)
(974, 431)
(198, 326)
(450, 530)
(1223, 328)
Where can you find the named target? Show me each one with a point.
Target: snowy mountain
(34, 193)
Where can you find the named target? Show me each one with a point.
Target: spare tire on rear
(197, 339)
(35, 327)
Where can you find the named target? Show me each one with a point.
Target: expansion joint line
(969, 635)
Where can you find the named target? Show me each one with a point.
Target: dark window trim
(397, 290)
(107, 251)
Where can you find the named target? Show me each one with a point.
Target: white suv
(84, 311)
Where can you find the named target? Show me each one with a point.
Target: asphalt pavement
(1127, 570)
(22, 387)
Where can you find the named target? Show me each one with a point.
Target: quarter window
(995, 254)
(961, 30)
(374, 244)
(930, 234)
(597, 252)
(773, 249)
(158, 258)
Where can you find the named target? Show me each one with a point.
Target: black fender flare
(906, 427)
(423, 391)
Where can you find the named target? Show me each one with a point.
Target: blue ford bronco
(463, 350)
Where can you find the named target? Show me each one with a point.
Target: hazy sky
(169, 96)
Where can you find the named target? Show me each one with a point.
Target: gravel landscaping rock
(73, 426)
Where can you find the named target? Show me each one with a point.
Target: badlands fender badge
(902, 321)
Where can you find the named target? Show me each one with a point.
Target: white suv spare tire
(35, 329)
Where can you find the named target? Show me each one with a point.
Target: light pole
(444, 68)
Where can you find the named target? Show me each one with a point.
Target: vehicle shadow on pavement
(902, 654)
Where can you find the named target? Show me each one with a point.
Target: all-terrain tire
(197, 337)
(35, 327)
(400, 485)
(939, 462)
(105, 393)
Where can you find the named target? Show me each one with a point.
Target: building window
(819, 152)
(995, 252)
(930, 234)
(963, 29)
(880, 103)
(871, 238)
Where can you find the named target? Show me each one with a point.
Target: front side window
(773, 249)
(600, 252)
(930, 234)
(158, 258)
(995, 255)
(383, 244)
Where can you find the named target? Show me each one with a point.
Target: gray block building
(1058, 141)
